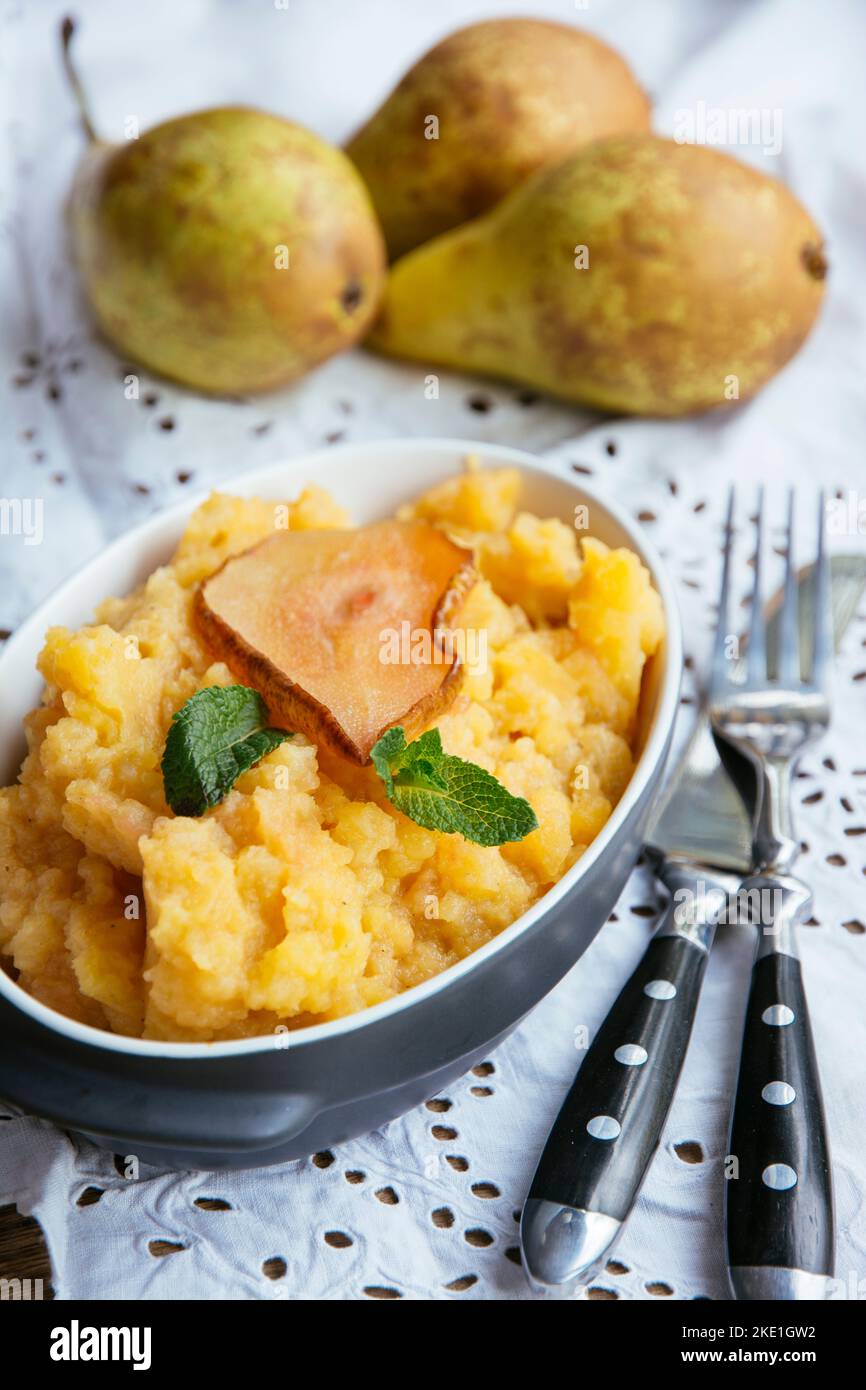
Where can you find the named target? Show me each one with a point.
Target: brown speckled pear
(229, 250)
(639, 276)
(508, 96)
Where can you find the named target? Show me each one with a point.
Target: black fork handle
(780, 1226)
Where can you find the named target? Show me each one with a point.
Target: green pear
(482, 111)
(228, 249)
(639, 276)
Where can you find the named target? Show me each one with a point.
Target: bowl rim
(490, 454)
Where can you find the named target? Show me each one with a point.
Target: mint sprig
(219, 733)
(445, 793)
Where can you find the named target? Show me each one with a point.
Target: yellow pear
(483, 110)
(639, 276)
(228, 249)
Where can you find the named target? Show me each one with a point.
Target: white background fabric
(102, 463)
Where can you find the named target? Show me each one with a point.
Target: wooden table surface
(23, 1254)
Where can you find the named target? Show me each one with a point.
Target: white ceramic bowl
(370, 479)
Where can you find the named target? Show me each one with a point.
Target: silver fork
(779, 1194)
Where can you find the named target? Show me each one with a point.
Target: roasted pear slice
(344, 633)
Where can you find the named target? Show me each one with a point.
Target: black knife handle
(611, 1121)
(779, 1191)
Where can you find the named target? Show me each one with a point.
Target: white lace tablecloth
(427, 1207)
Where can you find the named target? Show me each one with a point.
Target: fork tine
(719, 670)
(788, 659)
(822, 643)
(756, 652)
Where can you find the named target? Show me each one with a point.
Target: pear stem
(67, 29)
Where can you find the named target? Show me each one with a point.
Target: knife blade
(610, 1124)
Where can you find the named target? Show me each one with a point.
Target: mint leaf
(386, 753)
(417, 763)
(446, 793)
(219, 733)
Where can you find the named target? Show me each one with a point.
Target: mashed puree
(305, 894)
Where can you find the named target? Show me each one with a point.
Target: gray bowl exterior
(286, 1103)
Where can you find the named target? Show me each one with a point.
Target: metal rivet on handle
(778, 1015)
(660, 989)
(603, 1127)
(779, 1177)
(778, 1093)
(631, 1055)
